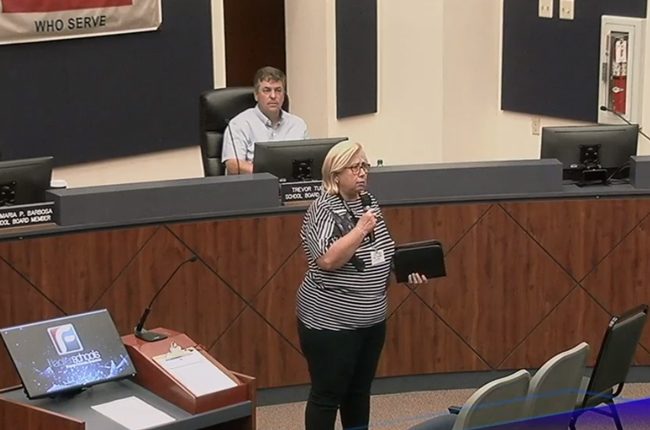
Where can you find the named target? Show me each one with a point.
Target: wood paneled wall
(525, 281)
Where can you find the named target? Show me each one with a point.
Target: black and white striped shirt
(344, 298)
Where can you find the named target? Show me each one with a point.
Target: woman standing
(342, 300)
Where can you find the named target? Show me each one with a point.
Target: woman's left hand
(416, 278)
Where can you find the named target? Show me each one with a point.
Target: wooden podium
(229, 409)
(153, 377)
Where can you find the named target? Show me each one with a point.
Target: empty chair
(612, 365)
(497, 402)
(555, 387)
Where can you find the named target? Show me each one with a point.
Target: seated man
(264, 122)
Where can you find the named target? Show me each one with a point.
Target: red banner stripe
(26, 6)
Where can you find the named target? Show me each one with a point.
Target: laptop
(67, 354)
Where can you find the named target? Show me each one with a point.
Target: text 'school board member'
(342, 300)
(262, 123)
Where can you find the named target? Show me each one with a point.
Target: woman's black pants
(342, 365)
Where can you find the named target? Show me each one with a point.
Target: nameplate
(25, 215)
(291, 192)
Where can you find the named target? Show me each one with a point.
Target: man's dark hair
(269, 73)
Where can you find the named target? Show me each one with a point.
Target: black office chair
(614, 360)
(216, 108)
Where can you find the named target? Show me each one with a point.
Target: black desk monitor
(24, 181)
(293, 160)
(67, 354)
(592, 147)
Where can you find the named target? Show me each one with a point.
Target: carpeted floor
(400, 411)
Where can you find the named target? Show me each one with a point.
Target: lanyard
(352, 215)
(354, 218)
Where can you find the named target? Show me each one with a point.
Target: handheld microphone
(150, 336)
(366, 202)
(606, 109)
(234, 147)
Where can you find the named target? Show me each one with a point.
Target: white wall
(439, 82)
(644, 144)
(408, 124)
(471, 62)
(308, 69)
(218, 44)
(173, 164)
(439, 89)
(474, 126)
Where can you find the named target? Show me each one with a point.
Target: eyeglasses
(356, 168)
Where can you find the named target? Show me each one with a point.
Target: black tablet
(425, 258)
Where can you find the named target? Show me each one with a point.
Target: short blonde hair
(338, 159)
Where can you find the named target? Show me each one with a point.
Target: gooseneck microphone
(366, 202)
(151, 336)
(234, 147)
(606, 109)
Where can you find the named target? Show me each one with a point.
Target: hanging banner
(23, 21)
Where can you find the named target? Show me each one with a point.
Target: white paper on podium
(133, 413)
(198, 374)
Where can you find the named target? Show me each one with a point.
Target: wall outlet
(567, 9)
(545, 9)
(535, 125)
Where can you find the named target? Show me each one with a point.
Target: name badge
(377, 257)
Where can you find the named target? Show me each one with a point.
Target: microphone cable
(625, 165)
(606, 109)
(234, 147)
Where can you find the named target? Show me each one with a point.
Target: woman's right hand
(367, 222)
(343, 248)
